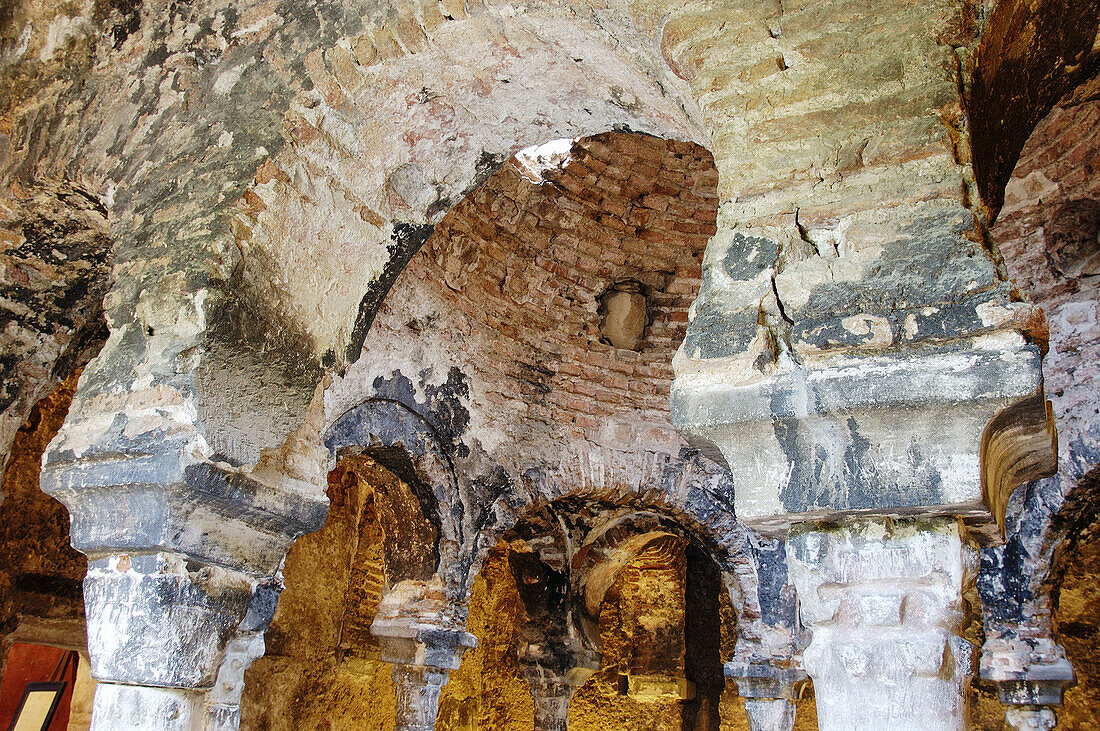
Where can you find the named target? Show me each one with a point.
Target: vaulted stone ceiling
(320, 247)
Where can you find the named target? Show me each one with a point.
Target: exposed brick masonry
(529, 262)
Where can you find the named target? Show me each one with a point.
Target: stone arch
(608, 549)
(395, 544)
(573, 549)
(1046, 233)
(407, 445)
(465, 341)
(713, 527)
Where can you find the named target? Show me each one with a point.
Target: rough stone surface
(56, 258)
(1077, 601)
(321, 248)
(1029, 57)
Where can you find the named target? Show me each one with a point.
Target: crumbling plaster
(286, 96)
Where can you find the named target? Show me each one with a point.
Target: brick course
(526, 264)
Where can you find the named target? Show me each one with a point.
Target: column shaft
(120, 707)
(770, 714)
(418, 689)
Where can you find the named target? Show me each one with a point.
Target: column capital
(884, 601)
(161, 620)
(418, 624)
(1027, 671)
(170, 502)
(765, 678)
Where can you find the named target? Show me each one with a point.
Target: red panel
(34, 664)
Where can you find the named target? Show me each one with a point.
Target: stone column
(769, 690)
(418, 688)
(551, 695)
(552, 688)
(1024, 718)
(1031, 673)
(770, 714)
(883, 600)
(177, 550)
(419, 635)
(157, 628)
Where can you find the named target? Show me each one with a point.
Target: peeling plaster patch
(228, 79)
(537, 161)
(62, 31)
(387, 353)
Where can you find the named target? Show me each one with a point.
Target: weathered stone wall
(1049, 235)
(1075, 627)
(56, 258)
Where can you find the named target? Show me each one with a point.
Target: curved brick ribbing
(527, 262)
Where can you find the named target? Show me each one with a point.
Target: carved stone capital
(931, 431)
(765, 679)
(165, 502)
(1028, 671)
(883, 600)
(161, 620)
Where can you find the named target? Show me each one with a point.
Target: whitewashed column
(883, 600)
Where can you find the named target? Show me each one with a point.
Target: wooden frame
(38, 706)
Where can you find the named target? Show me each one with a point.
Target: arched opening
(494, 378)
(1048, 232)
(322, 664)
(41, 597)
(607, 615)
